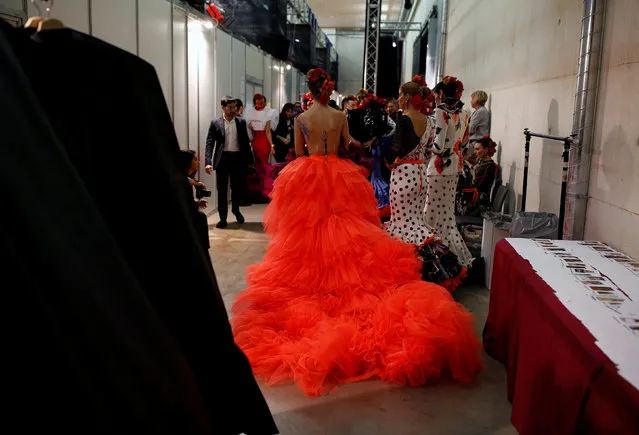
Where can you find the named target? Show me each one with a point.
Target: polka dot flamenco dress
(408, 190)
(451, 136)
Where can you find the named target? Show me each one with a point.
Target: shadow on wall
(617, 164)
(514, 199)
(551, 163)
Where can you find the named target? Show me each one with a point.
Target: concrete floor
(372, 407)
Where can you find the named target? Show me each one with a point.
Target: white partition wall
(104, 13)
(223, 62)
(275, 83)
(180, 82)
(254, 73)
(207, 104)
(254, 63)
(268, 78)
(302, 89)
(238, 69)
(155, 41)
(195, 42)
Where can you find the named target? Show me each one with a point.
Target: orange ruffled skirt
(336, 300)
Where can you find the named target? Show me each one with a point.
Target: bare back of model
(322, 128)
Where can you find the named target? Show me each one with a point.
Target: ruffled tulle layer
(336, 300)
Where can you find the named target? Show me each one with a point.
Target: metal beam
(371, 41)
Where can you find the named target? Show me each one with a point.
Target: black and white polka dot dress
(408, 189)
(451, 136)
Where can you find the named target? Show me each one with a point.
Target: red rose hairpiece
(489, 145)
(307, 101)
(455, 84)
(328, 86)
(419, 80)
(369, 99)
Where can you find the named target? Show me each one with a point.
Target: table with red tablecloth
(559, 380)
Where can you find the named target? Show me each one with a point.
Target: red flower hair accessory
(369, 99)
(307, 101)
(489, 145)
(326, 91)
(328, 86)
(455, 84)
(419, 80)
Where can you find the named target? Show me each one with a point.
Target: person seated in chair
(475, 184)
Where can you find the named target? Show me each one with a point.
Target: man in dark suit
(228, 153)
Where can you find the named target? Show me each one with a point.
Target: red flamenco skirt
(337, 300)
(261, 151)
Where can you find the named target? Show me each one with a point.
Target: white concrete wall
(613, 206)
(524, 54)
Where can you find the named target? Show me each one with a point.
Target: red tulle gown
(336, 300)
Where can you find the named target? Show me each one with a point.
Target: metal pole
(564, 186)
(547, 136)
(371, 44)
(588, 69)
(443, 36)
(524, 188)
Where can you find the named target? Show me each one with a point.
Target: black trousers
(281, 151)
(231, 168)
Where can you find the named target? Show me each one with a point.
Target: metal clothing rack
(567, 141)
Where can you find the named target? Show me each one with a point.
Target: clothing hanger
(43, 23)
(33, 22)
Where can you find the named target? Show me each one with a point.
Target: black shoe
(240, 219)
(221, 225)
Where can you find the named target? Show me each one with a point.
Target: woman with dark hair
(370, 126)
(451, 139)
(189, 164)
(284, 138)
(474, 198)
(411, 153)
(239, 107)
(335, 299)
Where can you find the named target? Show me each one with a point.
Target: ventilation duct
(588, 69)
(441, 59)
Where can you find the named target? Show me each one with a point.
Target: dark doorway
(420, 52)
(389, 66)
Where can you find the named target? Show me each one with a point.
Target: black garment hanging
(83, 350)
(106, 107)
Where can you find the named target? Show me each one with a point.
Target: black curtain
(260, 22)
(389, 67)
(322, 58)
(302, 53)
(334, 72)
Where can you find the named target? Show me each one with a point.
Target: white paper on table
(617, 341)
